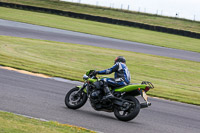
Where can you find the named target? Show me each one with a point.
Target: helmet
(120, 59)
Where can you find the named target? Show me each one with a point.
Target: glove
(95, 72)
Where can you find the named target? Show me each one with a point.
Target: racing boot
(108, 94)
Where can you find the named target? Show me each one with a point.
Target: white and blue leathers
(122, 75)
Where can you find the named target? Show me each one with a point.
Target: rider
(122, 76)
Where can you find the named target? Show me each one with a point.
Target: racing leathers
(122, 75)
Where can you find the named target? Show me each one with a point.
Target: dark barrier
(103, 19)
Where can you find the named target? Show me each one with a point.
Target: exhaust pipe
(145, 105)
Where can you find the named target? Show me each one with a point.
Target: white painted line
(41, 75)
(66, 80)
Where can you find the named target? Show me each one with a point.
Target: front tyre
(74, 100)
(130, 113)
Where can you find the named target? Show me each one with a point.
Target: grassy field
(173, 78)
(11, 123)
(114, 13)
(114, 31)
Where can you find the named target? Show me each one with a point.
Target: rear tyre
(130, 113)
(74, 100)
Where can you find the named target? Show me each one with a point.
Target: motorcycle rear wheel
(74, 100)
(130, 113)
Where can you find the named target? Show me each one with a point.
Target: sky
(189, 9)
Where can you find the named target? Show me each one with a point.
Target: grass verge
(11, 123)
(151, 19)
(102, 29)
(174, 79)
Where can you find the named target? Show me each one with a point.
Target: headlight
(85, 77)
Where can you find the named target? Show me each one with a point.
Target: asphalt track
(44, 98)
(18, 29)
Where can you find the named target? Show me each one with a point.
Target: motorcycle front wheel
(130, 113)
(74, 100)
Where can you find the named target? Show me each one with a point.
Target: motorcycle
(124, 104)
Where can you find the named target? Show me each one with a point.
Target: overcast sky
(189, 9)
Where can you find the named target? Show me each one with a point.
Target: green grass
(11, 123)
(173, 78)
(114, 13)
(114, 31)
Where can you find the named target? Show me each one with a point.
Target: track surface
(18, 29)
(44, 98)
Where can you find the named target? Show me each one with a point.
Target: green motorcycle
(124, 104)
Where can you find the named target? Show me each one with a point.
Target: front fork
(82, 89)
(144, 96)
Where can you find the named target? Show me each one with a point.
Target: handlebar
(92, 74)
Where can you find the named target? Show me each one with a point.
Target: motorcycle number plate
(144, 95)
